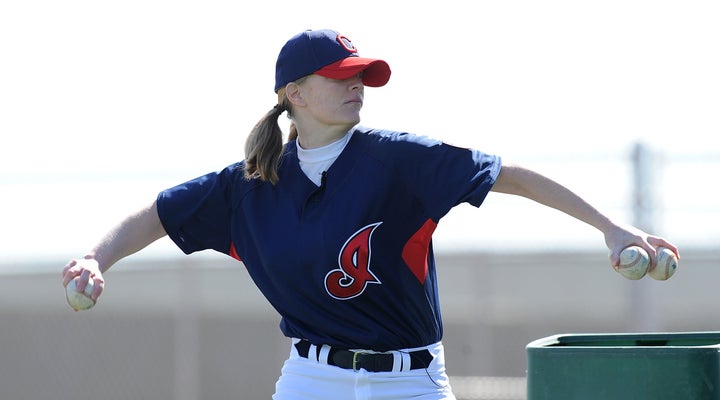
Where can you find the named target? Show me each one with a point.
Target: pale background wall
(195, 327)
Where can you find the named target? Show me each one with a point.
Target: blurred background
(104, 104)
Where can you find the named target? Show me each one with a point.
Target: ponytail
(264, 145)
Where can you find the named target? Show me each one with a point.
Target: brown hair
(264, 144)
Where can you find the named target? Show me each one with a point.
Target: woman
(335, 227)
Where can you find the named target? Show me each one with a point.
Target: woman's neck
(314, 137)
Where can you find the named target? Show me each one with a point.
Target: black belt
(371, 362)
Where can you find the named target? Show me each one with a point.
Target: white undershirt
(314, 162)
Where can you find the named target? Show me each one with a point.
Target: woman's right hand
(86, 269)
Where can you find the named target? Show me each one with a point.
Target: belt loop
(312, 353)
(324, 353)
(294, 347)
(405, 361)
(397, 361)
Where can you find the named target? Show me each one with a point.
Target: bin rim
(646, 339)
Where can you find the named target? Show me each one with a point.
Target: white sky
(103, 104)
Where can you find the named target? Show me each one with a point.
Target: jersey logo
(353, 276)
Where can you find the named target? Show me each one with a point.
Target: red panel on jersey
(415, 252)
(233, 252)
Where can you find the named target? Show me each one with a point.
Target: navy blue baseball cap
(326, 53)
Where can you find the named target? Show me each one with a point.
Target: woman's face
(333, 102)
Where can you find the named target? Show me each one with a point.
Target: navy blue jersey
(349, 263)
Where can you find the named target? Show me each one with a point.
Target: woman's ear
(294, 93)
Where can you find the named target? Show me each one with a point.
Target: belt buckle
(355, 359)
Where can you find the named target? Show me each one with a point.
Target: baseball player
(335, 228)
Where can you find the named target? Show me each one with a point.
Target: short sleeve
(440, 175)
(196, 214)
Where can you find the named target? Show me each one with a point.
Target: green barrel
(643, 366)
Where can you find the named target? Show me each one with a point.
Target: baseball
(634, 262)
(79, 300)
(665, 264)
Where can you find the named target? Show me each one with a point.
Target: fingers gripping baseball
(622, 237)
(83, 281)
(657, 242)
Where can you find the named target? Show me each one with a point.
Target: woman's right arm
(134, 233)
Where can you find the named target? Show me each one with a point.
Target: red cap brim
(376, 72)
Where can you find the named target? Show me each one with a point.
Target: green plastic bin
(657, 366)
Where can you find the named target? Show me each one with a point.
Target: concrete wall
(196, 327)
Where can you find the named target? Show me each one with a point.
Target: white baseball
(634, 262)
(665, 264)
(79, 300)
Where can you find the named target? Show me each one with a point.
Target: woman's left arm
(520, 181)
